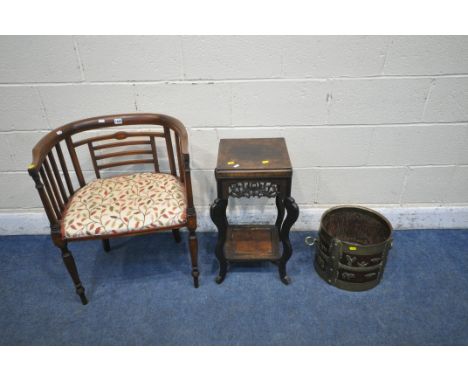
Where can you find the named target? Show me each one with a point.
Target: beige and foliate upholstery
(126, 203)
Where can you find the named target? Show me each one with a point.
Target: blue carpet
(141, 294)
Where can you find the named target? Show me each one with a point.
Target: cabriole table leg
(218, 215)
(292, 215)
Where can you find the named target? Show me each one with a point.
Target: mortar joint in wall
(78, 57)
(384, 62)
(428, 95)
(43, 108)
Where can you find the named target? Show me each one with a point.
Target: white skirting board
(440, 217)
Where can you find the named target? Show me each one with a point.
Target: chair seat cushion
(124, 204)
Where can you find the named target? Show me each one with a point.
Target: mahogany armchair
(122, 205)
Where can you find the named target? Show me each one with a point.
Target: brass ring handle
(310, 241)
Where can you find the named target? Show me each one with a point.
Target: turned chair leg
(71, 268)
(106, 245)
(176, 234)
(193, 244)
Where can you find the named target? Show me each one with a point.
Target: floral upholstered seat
(126, 203)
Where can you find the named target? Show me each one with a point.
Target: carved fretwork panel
(248, 189)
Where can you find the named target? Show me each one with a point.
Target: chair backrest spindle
(155, 154)
(50, 196)
(63, 164)
(179, 160)
(93, 158)
(170, 151)
(75, 162)
(58, 178)
(53, 185)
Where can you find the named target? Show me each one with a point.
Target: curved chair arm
(188, 180)
(45, 145)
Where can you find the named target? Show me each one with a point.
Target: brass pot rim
(362, 208)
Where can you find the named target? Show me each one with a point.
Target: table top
(253, 157)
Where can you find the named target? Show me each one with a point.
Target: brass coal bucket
(352, 247)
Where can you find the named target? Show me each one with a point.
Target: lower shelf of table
(252, 243)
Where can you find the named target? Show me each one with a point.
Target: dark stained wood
(254, 168)
(292, 215)
(69, 262)
(176, 234)
(63, 164)
(252, 243)
(73, 156)
(187, 180)
(124, 163)
(48, 178)
(123, 153)
(179, 159)
(106, 245)
(155, 154)
(53, 185)
(93, 158)
(193, 245)
(50, 196)
(170, 151)
(57, 176)
(44, 198)
(259, 157)
(218, 216)
(280, 208)
(48, 141)
(120, 135)
(120, 144)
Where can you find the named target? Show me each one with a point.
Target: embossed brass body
(352, 247)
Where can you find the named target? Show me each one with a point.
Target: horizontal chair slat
(125, 163)
(120, 144)
(122, 153)
(120, 135)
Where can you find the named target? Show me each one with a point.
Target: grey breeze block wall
(375, 120)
